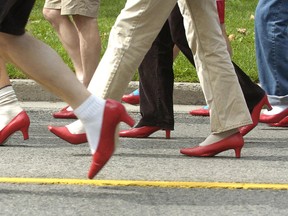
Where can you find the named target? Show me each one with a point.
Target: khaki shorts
(75, 7)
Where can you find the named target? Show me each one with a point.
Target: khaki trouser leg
(215, 70)
(132, 35)
(130, 39)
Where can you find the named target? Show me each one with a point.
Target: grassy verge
(238, 16)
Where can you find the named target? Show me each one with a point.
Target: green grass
(238, 13)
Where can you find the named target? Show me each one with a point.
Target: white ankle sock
(213, 138)
(76, 127)
(9, 106)
(69, 108)
(90, 114)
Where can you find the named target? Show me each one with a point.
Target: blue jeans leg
(271, 40)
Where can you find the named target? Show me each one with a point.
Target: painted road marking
(136, 183)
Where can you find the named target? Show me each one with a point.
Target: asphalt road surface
(47, 176)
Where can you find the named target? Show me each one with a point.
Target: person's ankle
(216, 137)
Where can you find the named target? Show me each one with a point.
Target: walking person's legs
(36, 59)
(271, 40)
(156, 80)
(77, 29)
(216, 74)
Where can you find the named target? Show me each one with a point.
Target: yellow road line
(136, 183)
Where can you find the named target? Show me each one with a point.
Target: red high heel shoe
(204, 111)
(131, 99)
(282, 123)
(273, 118)
(142, 132)
(20, 122)
(63, 133)
(255, 115)
(114, 113)
(65, 114)
(234, 141)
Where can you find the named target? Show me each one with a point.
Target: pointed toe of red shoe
(204, 111)
(282, 123)
(273, 118)
(63, 133)
(64, 114)
(114, 113)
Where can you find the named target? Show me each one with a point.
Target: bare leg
(90, 45)
(82, 42)
(4, 79)
(34, 58)
(68, 36)
(43, 64)
(9, 106)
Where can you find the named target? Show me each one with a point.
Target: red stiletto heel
(20, 122)
(238, 152)
(234, 141)
(114, 113)
(255, 115)
(63, 133)
(64, 114)
(142, 132)
(25, 133)
(168, 132)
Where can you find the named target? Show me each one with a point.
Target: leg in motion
(100, 117)
(156, 88)
(271, 40)
(216, 75)
(13, 117)
(77, 29)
